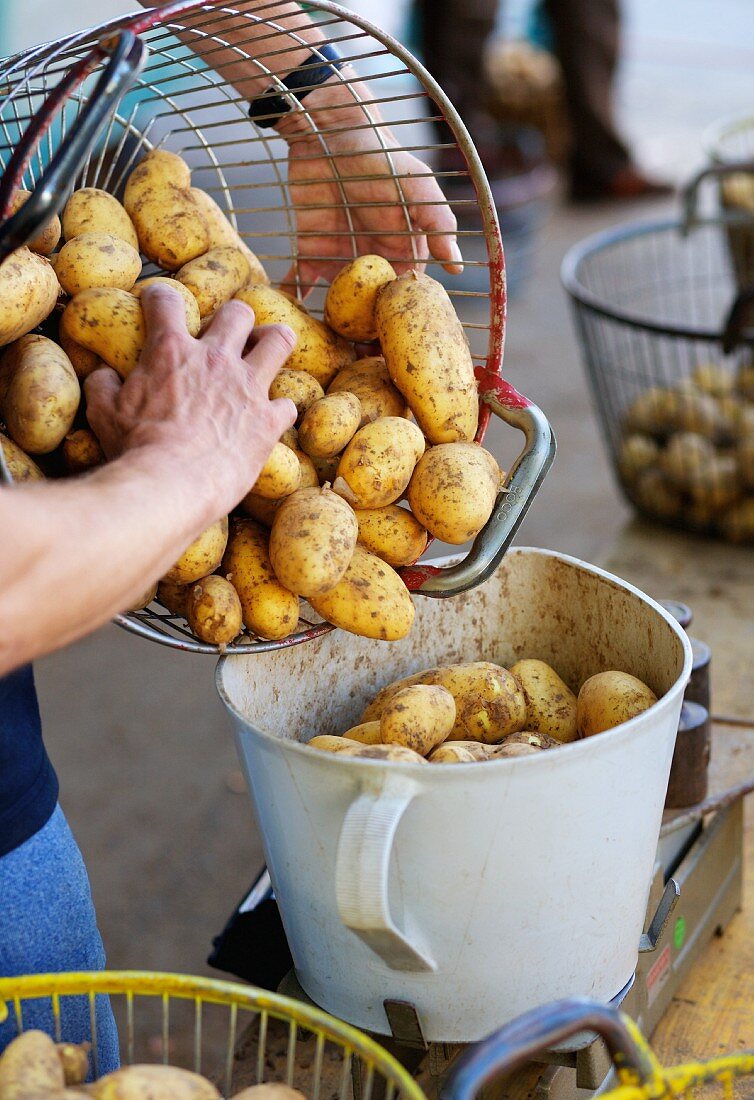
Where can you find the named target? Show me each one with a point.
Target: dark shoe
(627, 184)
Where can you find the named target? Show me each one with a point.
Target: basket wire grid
(132, 992)
(650, 303)
(183, 103)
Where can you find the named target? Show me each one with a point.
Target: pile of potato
(461, 714)
(325, 521)
(687, 453)
(33, 1067)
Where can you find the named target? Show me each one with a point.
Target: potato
(609, 698)
(367, 733)
(327, 469)
(29, 289)
(269, 609)
(653, 493)
(20, 466)
(174, 597)
(222, 233)
(369, 380)
(370, 599)
(203, 556)
(39, 393)
(74, 1058)
(97, 260)
(214, 277)
(329, 424)
(300, 387)
(83, 361)
(737, 523)
(30, 1067)
(280, 476)
(530, 737)
(271, 1091)
(637, 452)
(213, 611)
(319, 351)
(193, 320)
(453, 490)
(395, 754)
(92, 210)
(352, 297)
(509, 749)
(168, 220)
(329, 743)
(109, 322)
(260, 508)
(144, 599)
(698, 516)
(718, 484)
(745, 381)
(309, 476)
(392, 533)
(660, 411)
(686, 456)
(45, 239)
(490, 702)
(377, 464)
(419, 717)
(550, 703)
(453, 752)
(714, 379)
(82, 451)
(428, 357)
(745, 457)
(312, 541)
(157, 1082)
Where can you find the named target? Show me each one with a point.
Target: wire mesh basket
(292, 1042)
(666, 340)
(192, 97)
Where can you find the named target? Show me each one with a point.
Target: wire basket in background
(672, 380)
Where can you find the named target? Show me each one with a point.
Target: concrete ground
(148, 770)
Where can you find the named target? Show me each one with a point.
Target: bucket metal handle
(362, 872)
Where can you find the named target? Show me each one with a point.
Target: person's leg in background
(47, 923)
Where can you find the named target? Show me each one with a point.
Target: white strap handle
(362, 872)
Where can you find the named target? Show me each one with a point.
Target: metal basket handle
(126, 54)
(518, 1042)
(526, 476)
(690, 193)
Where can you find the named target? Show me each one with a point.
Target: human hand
(398, 212)
(200, 407)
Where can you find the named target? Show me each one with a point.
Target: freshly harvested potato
(319, 351)
(214, 277)
(419, 717)
(428, 357)
(745, 381)
(213, 610)
(609, 698)
(259, 508)
(20, 466)
(74, 1058)
(312, 541)
(83, 361)
(395, 754)
(29, 289)
(370, 599)
(300, 387)
(97, 260)
(174, 597)
(222, 233)
(369, 380)
(737, 523)
(550, 703)
(637, 452)
(92, 210)
(529, 737)
(144, 599)
(367, 733)
(453, 752)
(686, 457)
(273, 1091)
(82, 451)
(453, 490)
(270, 610)
(329, 424)
(326, 742)
(509, 749)
(660, 411)
(653, 493)
(392, 533)
(168, 220)
(39, 393)
(352, 297)
(157, 1082)
(377, 464)
(718, 484)
(203, 556)
(30, 1067)
(46, 239)
(490, 702)
(714, 379)
(280, 476)
(193, 320)
(110, 323)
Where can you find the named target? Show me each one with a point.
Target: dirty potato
(300, 387)
(97, 260)
(83, 361)
(312, 541)
(214, 277)
(366, 733)
(392, 533)
(92, 210)
(377, 464)
(370, 599)
(168, 221)
(352, 297)
(454, 752)
(260, 508)
(82, 451)
(453, 490)
(173, 597)
(550, 703)
(74, 1057)
(39, 393)
(327, 742)
(394, 754)
(418, 717)
(45, 240)
(370, 381)
(610, 698)
(280, 476)
(714, 379)
(29, 289)
(157, 1082)
(637, 452)
(30, 1067)
(222, 233)
(20, 466)
(686, 456)
(270, 610)
(213, 611)
(203, 556)
(718, 484)
(329, 424)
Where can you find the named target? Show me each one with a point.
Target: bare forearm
(75, 553)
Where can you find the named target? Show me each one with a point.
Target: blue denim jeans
(47, 924)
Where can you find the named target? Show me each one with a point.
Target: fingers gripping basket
(64, 121)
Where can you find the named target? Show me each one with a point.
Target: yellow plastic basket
(237, 1005)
